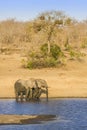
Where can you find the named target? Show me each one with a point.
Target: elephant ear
(41, 83)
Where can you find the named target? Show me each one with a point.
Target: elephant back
(30, 83)
(20, 85)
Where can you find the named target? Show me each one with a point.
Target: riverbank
(67, 81)
(24, 119)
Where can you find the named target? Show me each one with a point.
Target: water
(71, 114)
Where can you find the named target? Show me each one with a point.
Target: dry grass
(31, 35)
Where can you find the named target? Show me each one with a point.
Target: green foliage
(42, 63)
(56, 57)
(55, 50)
(72, 54)
(44, 49)
(51, 62)
(42, 59)
(68, 21)
(59, 22)
(84, 44)
(75, 54)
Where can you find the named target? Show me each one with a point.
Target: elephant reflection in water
(30, 89)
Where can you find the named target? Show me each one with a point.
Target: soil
(25, 119)
(67, 81)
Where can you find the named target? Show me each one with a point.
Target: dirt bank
(68, 81)
(24, 119)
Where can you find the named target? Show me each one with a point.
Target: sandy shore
(24, 119)
(68, 81)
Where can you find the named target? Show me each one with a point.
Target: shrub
(50, 62)
(55, 50)
(84, 44)
(42, 63)
(75, 54)
(41, 59)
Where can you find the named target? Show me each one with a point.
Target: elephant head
(42, 88)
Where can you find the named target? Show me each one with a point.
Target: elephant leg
(17, 96)
(21, 96)
(42, 91)
(33, 92)
(47, 93)
(37, 93)
(28, 94)
(24, 95)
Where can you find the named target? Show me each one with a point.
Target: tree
(52, 20)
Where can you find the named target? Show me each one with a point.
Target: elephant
(24, 88)
(42, 87)
(31, 89)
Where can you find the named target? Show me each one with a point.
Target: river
(71, 113)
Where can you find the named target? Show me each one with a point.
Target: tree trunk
(48, 47)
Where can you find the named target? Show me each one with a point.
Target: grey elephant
(31, 89)
(24, 88)
(41, 88)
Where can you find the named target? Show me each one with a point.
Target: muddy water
(71, 114)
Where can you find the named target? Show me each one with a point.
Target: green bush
(75, 54)
(84, 44)
(42, 63)
(55, 50)
(41, 59)
(50, 62)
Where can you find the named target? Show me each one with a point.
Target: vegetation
(49, 39)
(43, 59)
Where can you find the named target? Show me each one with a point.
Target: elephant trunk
(47, 93)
